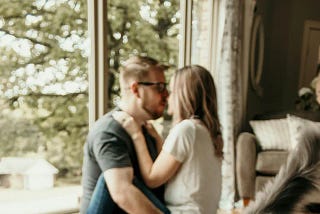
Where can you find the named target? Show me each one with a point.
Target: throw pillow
(272, 134)
(297, 127)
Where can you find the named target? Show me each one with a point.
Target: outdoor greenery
(44, 48)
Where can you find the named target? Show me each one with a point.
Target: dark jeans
(101, 201)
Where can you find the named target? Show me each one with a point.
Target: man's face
(153, 94)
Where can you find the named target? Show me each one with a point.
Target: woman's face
(170, 100)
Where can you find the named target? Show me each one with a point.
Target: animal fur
(296, 188)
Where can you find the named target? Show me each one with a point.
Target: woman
(190, 159)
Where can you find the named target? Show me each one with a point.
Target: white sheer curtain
(230, 90)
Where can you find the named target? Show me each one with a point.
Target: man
(109, 149)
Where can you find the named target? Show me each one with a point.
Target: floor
(54, 200)
(50, 201)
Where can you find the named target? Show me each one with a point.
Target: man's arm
(125, 194)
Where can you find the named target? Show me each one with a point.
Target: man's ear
(134, 88)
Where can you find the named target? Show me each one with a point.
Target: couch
(256, 165)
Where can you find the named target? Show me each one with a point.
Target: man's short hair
(137, 68)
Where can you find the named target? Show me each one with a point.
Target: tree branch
(26, 37)
(38, 95)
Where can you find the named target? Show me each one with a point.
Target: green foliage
(19, 137)
(45, 79)
(44, 69)
(154, 33)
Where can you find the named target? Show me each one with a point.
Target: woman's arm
(153, 132)
(159, 172)
(164, 167)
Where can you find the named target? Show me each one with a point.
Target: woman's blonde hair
(195, 96)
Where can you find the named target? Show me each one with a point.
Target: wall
(284, 24)
(301, 11)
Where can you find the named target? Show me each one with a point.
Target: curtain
(231, 96)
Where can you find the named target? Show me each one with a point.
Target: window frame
(98, 59)
(98, 65)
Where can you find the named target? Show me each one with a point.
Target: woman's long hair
(195, 96)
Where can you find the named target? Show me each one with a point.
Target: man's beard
(151, 114)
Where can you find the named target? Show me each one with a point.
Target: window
(43, 92)
(149, 28)
(133, 28)
(43, 95)
(200, 33)
(47, 86)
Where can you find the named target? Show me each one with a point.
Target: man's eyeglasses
(160, 86)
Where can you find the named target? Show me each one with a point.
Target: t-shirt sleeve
(180, 140)
(110, 151)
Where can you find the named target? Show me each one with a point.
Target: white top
(196, 187)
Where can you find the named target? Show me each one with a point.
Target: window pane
(201, 19)
(43, 85)
(141, 27)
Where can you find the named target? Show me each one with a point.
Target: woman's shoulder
(185, 128)
(186, 124)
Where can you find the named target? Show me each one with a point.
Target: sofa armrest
(246, 154)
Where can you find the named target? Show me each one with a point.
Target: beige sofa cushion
(272, 134)
(269, 162)
(297, 127)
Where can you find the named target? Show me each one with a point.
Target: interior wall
(300, 11)
(283, 25)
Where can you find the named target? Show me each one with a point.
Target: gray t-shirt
(109, 146)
